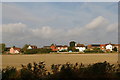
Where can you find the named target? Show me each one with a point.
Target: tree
(2, 47)
(72, 44)
(115, 49)
(24, 49)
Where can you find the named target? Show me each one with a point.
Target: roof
(61, 46)
(116, 44)
(80, 45)
(17, 48)
(33, 46)
(95, 45)
(102, 45)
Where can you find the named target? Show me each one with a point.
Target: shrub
(34, 51)
(9, 73)
(68, 71)
(95, 50)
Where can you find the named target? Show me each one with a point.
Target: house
(80, 47)
(102, 47)
(53, 47)
(62, 48)
(92, 46)
(116, 46)
(32, 47)
(109, 47)
(14, 50)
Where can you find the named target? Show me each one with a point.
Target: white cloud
(96, 24)
(112, 27)
(16, 28)
(100, 20)
(45, 32)
(95, 30)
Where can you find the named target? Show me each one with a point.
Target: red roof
(17, 49)
(80, 45)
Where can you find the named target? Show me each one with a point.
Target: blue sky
(59, 22)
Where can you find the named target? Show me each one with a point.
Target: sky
(44, 23)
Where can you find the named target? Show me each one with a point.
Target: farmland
(17, 60)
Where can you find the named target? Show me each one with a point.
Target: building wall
(16, 51)
(62, 48)
(81, 49)
(109, 47)
(53, 48)
(12, 50)
(29, 47)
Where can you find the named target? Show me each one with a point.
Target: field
(17, 60)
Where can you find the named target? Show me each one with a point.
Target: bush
(95, 50)
(68, 71)
(31, 51)
(9, 73)
(44, 50)
(34, 51)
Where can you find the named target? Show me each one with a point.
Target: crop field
(17, 60)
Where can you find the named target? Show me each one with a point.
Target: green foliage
(2, 47)
(63, 51)
(24, 49)
(31, 51)
(44, 50)
(40, 51)
(72, 44)
(115, 49)
(76, 50)
(73, 49)
(94, 50)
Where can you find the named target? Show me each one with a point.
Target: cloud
(16, 28)
(96, 24)
(96, 30)
(45, 32)
(100, 20)
(57, 14)
(112, 27)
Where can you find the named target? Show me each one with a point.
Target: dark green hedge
(35, 51)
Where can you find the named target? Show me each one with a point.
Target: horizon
(45, 23)
(58, 44)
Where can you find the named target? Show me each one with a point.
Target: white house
(109, 47)
(32, 47)
(14, 50)
(80, 47)
(29, 47)
(61, 48)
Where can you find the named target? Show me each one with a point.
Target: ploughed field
(17, 60)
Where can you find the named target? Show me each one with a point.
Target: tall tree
(24, 49)
(72, 44)
(2, 47)
(115, 49)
